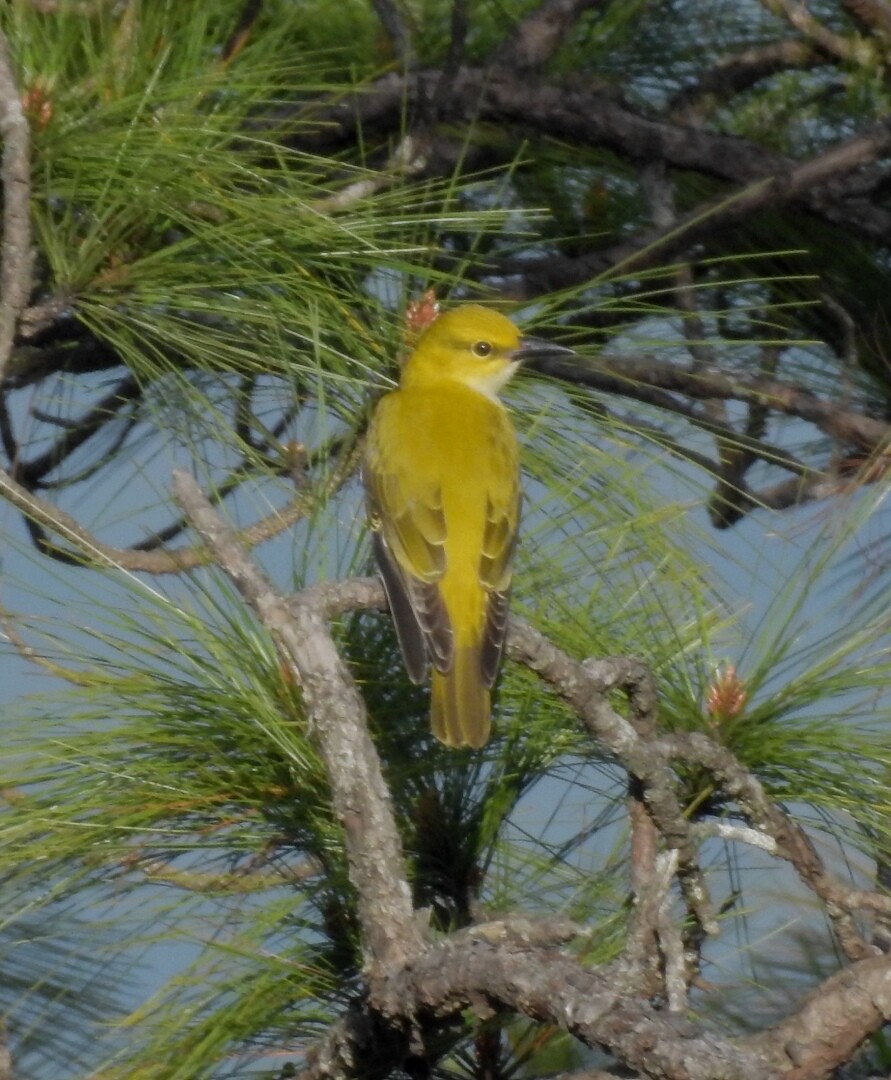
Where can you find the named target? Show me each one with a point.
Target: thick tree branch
(595, 118)
(809, 482)
(336, 715)
(839, 423)
(639, 747)
(491, 966)
(773, 188)
(478, 968)
(15, 172)
(824, 1033)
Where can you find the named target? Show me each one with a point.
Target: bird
(441, 474)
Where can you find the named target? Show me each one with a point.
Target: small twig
(793, 844)
(460, 26)
(409, 158)
(800, 18)
(738, 834)
(243, 880)
(731, 498)
(678, 973)
(846, 349)
(78, 432)
(33, 656)
(46, 520)
(586, 687)
(242, 32)
(6, 1070)
(15, 260)
(236, 476)
(737, 72)
(659, 191)
(798, 491)
(641, 946)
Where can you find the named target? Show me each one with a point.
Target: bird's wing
(408, 629)
(409, 533)
(499, 541)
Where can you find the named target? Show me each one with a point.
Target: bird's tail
(460, 707)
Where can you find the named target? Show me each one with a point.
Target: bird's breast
(459, 440)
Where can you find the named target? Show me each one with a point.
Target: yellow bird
(441, 474)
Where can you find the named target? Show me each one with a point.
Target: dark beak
(532, 349)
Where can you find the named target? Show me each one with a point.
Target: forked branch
(414, 985)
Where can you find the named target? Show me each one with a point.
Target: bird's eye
(481, 348)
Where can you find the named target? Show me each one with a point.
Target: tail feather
(460, 706)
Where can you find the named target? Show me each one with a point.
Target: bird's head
(475, 346)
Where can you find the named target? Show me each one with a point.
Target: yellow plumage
(441, 474)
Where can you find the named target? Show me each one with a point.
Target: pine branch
(82, 547)
(15, 175)
(390, 935)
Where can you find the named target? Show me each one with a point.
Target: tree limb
(15, 171)
(834, 1020)
(624, 374)
(637, 745)
(489, 966)
(336, 716)
(793, 844)
(594, 117)
(471, 969)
